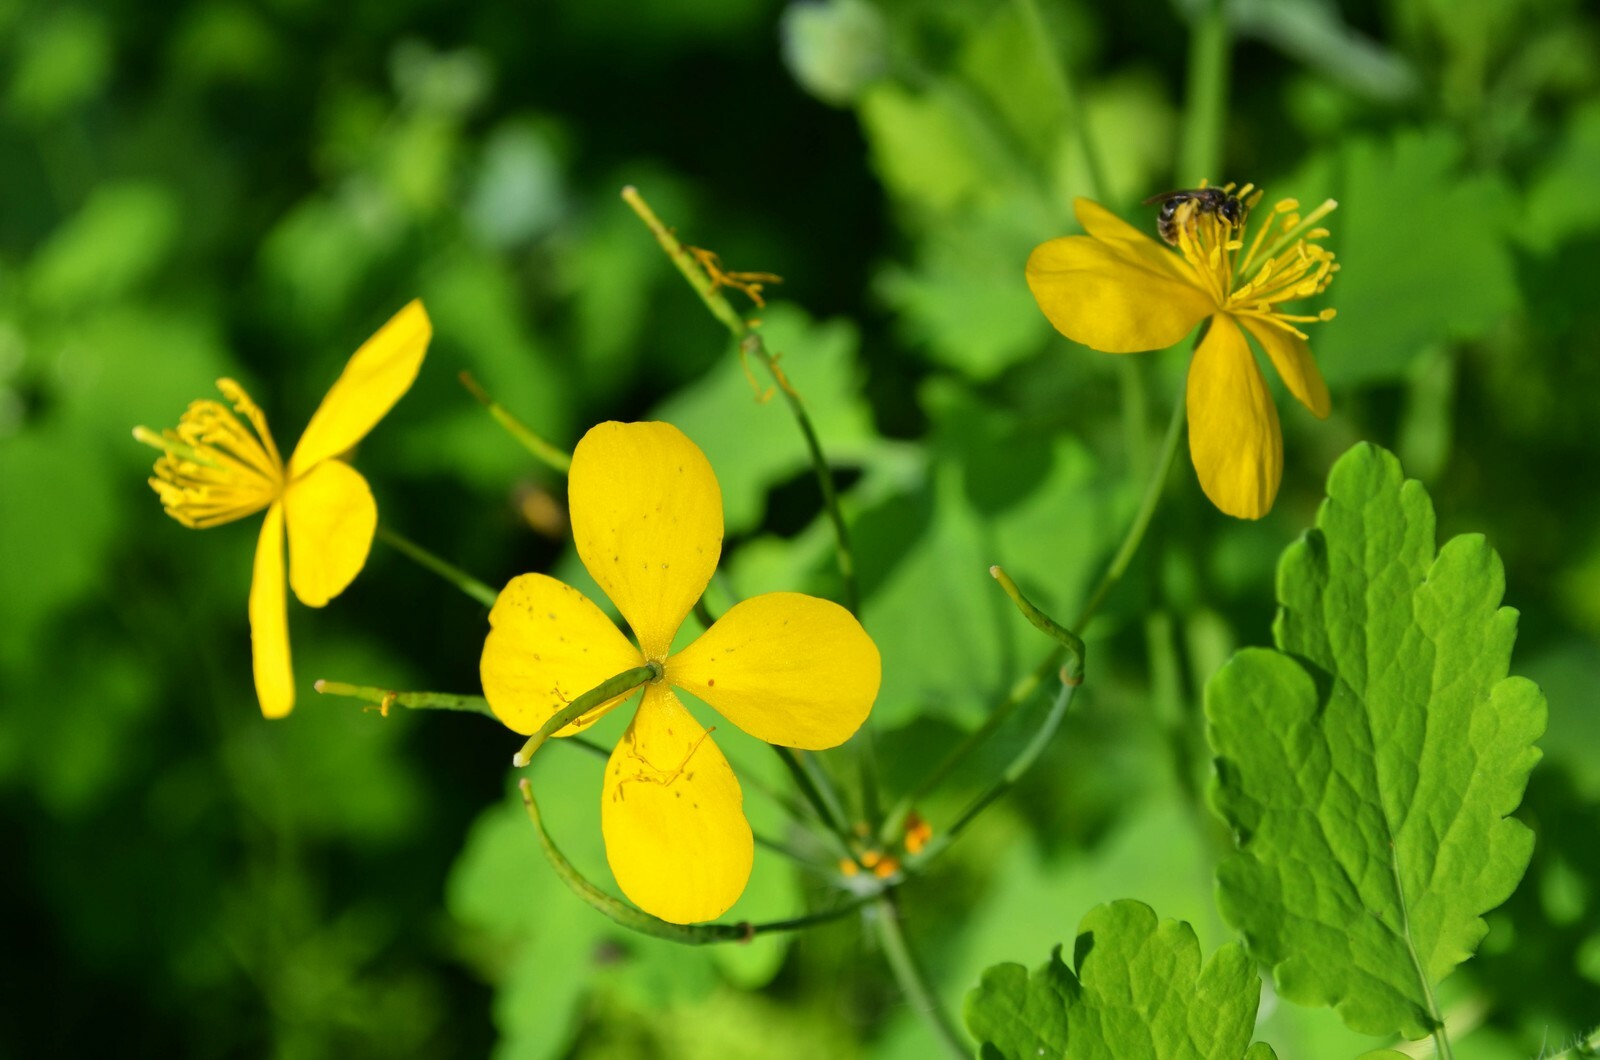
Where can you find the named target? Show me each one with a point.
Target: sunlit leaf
(1367, 766)
(1136, 991)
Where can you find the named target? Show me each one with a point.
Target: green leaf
(1368, 765)
(1021, 1015)
(121, 236)
(1561, 202)
(754, 444)
(996, 492)
(923, 147)
(1139, 991)
(1423, 251)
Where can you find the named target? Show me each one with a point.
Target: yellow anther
(918, 832)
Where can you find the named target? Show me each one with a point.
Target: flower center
(215, 468)
(1285, 261)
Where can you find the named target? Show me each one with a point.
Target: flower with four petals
(787, 668)
(1119, 291)
(216, 469)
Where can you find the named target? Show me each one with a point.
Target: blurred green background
(224, 187)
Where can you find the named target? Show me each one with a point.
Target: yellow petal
(673, 816)
(1107, 227)
(1109, 297)
(331, 518)
(1234, 438)
(549, 644)
(375, 378)
(647, 520)
(269, 621)
(1292, 358)
(786, 668)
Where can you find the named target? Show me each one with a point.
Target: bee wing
(1169, 196)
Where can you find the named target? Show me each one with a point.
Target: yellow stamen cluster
(1256, 283)
(216, 469)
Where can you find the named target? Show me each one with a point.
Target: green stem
(1042, 622)
(703, 286)
(386, 698)
(1013, 773)
(600, 694)
(827, 810)
(551, 455)
(637, 920)
(1206, 108)
(1024, 688)
(849, 590)
(751, 344)
(448, 571)
(1147, 510)
(913, 983)
(1020, 693)
(1061, 77)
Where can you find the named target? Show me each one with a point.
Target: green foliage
(1368, 764)
(1422, 245)
(211, 188)
(1136, 990)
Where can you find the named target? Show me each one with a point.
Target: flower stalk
(443, 568)
(386, 698)
(597, 696)
(752, 345)
(550, 455)
(637, 920)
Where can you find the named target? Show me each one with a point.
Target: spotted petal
(331, 518)
(548, 644)
(647, 520)
(1111, 296)
(786, 668)
(379, 373)
(673, 816)
(269, 620)
(1234, 437)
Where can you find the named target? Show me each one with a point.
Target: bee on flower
(787, 668)
(216, 469)
(1119, 291)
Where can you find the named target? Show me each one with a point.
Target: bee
(1219, 201)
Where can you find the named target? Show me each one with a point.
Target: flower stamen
(215, 469)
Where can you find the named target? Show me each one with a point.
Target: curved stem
(550, 455)
(1026, 686)
(448, 571)
(752, 344)
(638, 920)
(1141, 520)
(825, 809)
(908, 973)
(1013, 773)
(597, 696)
(1206, 106)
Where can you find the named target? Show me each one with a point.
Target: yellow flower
(786, 668)
(1119, 291)
(216, 470)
